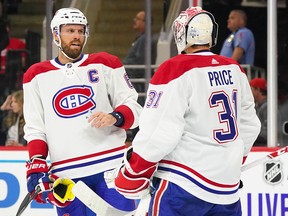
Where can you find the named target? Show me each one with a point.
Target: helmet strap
(58, 44)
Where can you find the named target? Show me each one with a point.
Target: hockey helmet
(68, 16)
(194, 26)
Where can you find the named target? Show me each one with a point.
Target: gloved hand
(134, 184)
(132, 187)
(55, 190)
(38, 177)
(110, 175)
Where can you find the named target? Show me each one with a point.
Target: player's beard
(72, 53)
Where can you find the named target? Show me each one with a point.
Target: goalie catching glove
(50, 188)
(134, 183)
(62, 192)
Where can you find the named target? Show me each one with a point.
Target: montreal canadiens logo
(73, 101)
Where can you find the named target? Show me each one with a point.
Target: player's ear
(55, 36)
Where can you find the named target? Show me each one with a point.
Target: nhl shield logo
(273, 172)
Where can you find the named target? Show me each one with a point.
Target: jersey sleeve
(123, 96)
(34, 117)
(162, 121)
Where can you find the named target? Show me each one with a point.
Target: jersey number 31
(226, 116)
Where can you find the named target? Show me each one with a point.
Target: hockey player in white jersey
(196, 129)
(77, 108)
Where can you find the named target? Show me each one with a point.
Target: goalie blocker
(131, 183)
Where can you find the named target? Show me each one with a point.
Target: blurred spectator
(136, 53)
(14, 44)
(259, 90)
(12, 64)
(240, 44)
(14, 121)
(136, 56)
(5, 108)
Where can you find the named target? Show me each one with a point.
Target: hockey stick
(143, 206)
(102, 208)
(94, 201)
(268, 157)
(26, 201)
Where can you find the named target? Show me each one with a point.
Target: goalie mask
(194, 26)
(66, 16)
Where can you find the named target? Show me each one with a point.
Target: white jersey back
(199, 121)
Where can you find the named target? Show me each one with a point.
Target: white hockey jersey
(58, 100)
(199, 122)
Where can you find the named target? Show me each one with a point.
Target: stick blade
(143, 206)
(26, 201)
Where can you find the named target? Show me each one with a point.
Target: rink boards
(265, 191)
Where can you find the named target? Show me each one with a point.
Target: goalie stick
(26, 201)
(268, 157)
(101, 207)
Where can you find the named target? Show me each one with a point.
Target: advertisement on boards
(13, 185)
(265, 190)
